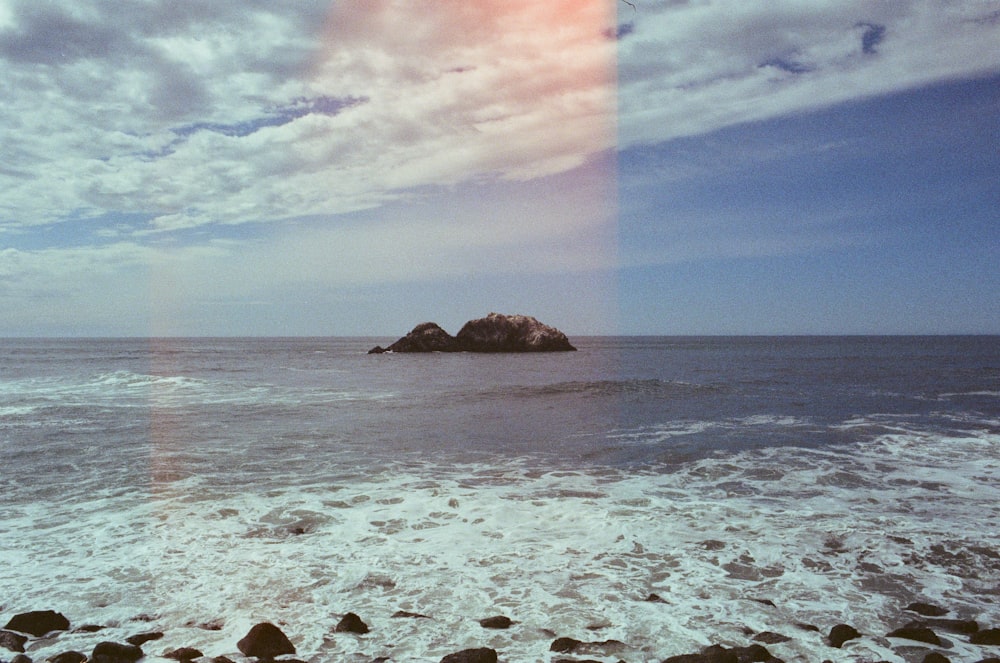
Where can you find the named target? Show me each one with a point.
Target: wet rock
(140, 639)
(769, 638)
(403, 614)
(574, 646)
(88, 628)
(213, 625)
(713, 654)
(990, 636)
(808, 627)
(184, 654)
(480, 655)
(564, 645)
(12, 641)
(38, 622)
(351, 623)
(377, 350)
(67, 657)
(965, 627)
(841, 633)
(992, 659)
(21, 658)
(115, 652)
(936, 657)
(916, 632)
(511, 333)
(222, 659)
(425, 337)
(265, 640)
(654, 598)
(926, 609)
(498, 622)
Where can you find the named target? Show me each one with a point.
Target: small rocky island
(494, 333)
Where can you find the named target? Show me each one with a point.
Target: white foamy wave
(959, 394)
(825, 536)
(657, 434)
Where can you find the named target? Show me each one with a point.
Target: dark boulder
(183, 654)
(425, 337)
(351, 623)
(88, 628)
(989, 636)
(917, 632)
(115, 652)
(926, 609)
(12, 641)
(265, 640)
(841, 633)
(713, 654)
(511, 333)
(140, 639)
(574, 646)
(38, 622)
(771, 638)
(498, 622)
(936, 657)
(480, 655)
(67, 657)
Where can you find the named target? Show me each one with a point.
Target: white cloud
(689, 68)
(185, 117)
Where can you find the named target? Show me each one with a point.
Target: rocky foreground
(925, 637)
(494, 333)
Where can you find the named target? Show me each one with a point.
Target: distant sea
(752, 484)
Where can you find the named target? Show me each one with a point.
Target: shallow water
(226, 482)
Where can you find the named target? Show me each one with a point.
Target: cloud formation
(219, 151)
(687, 68)
(245, 112)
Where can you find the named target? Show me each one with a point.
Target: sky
(246, 167)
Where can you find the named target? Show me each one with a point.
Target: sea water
(199, 486)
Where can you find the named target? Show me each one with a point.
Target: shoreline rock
(496, 333)
(265, 641)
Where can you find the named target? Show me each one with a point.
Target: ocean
(649, 495)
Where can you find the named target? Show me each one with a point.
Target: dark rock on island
(494, 333)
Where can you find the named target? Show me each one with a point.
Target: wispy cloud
(690, 68)
(249, 112)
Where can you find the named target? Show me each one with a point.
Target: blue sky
(717, 167)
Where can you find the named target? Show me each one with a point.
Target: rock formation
(265, 640)
(38, 622)
(494, 333)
